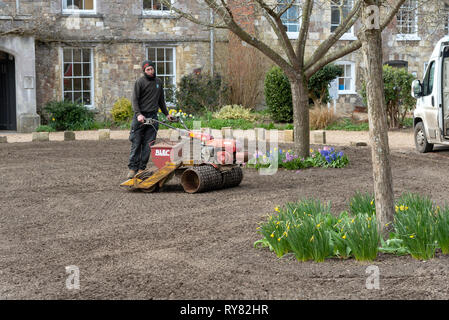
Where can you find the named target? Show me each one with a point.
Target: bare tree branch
(342, 29)
(279, 29)
(307, 10)
(355, 45)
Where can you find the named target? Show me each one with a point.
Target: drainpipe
(211, 43)
(17, 7)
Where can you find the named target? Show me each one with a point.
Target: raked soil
(61, 205)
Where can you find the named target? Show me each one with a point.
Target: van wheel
(420, 139)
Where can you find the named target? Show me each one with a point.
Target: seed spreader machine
(202, 162)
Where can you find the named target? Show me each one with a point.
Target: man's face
(149, 71)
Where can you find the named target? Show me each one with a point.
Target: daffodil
(272, 235)
(318, 225)
(279, 239)
(372, 201)
(412, 236)
(311, 239)
(277, 209)
(344, 237)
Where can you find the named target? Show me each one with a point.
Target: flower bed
(308, 230)
(327, 157)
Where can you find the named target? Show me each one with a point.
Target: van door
(428, 102)
(444, 110)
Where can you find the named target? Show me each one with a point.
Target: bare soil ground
(60, 205)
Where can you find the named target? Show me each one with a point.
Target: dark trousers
(142, 137)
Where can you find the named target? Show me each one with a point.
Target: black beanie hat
(148, 63)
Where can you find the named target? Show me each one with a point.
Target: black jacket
(148, 96)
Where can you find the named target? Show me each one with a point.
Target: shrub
(320, 117)
(414, 224)
(122, 110)
(45, 129)
(319, 83)
(278, 95)
(245, 69)
(198, 93)
(234, 112)
(278, 91)
(67, 115)
(397, 84)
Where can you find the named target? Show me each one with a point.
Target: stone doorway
(8, 120)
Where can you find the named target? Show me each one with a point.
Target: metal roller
(201, 179)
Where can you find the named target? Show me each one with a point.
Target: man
(148, 98)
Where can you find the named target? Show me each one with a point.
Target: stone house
(91, 50)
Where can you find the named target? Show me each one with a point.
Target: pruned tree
(292, 59)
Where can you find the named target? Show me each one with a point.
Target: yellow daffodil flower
(277, 209)
(344, 237)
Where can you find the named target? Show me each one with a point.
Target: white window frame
(348, 35)
(149, 12)
(409, 36)
(78, 11)
(352, 64)
(293, 35)
(92, 89)
(174, 66)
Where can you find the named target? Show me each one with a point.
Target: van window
(428, 79)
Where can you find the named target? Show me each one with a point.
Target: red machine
(202, 162)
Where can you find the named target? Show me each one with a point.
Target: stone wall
(120, 32)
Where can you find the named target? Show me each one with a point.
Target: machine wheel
(420, 139)
(232, 178)
(201, 179)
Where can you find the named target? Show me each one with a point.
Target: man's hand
(171, 118)
(140, 118)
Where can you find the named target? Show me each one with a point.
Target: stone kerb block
(40, 136)
(288, 135)
(69, 136)
(260, 133)
(319, 137)
(104, 134)
(3, 139)
(226, 132)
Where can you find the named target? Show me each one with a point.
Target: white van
(431, 116)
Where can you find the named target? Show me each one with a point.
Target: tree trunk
(300, 97)
(378, 127)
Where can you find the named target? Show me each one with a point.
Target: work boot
(131, 174)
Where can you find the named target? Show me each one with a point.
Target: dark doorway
(7, 92)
